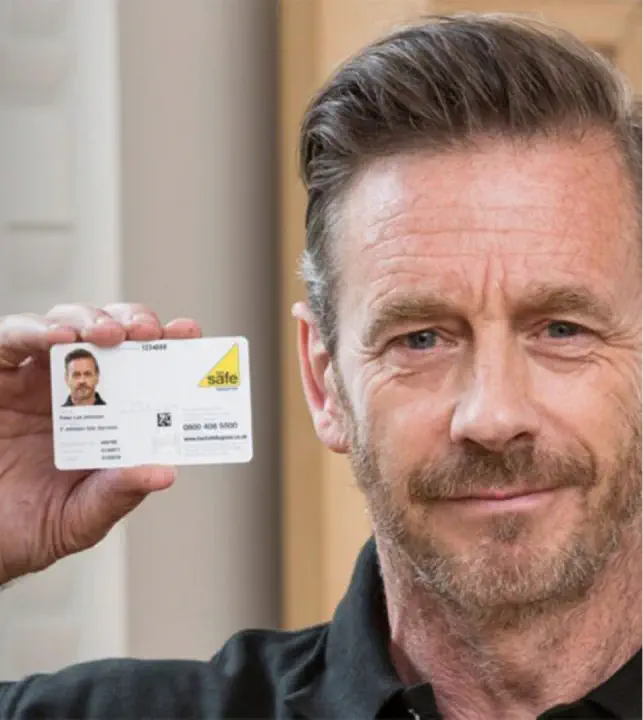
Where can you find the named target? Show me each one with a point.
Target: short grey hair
(442, 84)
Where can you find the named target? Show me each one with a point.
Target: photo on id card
(167, 402)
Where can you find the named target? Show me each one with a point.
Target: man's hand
(46, 514)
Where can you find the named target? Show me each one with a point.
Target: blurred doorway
(324, 524)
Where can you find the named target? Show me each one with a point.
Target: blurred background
(148, 153)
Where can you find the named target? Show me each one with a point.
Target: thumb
(106, 496)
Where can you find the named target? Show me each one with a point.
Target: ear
(318, 380)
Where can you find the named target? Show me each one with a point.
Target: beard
(504, 579)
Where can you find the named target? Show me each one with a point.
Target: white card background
(155, 410)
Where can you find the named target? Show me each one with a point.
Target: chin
(517, 578)
(496, 570)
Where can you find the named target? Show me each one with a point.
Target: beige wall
(324, 521)
(198, 239)
(59, 215)
(137, 140)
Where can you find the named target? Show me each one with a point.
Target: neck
(488, 670)
(88, 401)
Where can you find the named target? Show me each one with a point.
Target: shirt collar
(621, 693)
(358, 677)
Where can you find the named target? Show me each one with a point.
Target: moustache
(474, 469)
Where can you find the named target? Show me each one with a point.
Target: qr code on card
(163, 419)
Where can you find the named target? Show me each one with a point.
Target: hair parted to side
(443, 84)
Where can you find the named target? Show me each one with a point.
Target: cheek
(599, 404)
(405, 426)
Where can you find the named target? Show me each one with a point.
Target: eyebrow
(547, 299)
(409, 308)
(537, 299)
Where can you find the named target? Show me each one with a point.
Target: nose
(495, 408)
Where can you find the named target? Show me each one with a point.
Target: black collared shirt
(98, 400)
(340, 669)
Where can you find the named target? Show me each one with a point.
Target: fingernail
(142, 319)
(102, 320)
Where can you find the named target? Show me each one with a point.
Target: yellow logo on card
(225, 374)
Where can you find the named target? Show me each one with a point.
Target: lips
(507, 494)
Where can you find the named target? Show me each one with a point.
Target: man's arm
(127, 690)
(70, 511)
(116, 689)
(251, 676)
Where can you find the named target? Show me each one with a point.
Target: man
(472, 342)
(82, 375)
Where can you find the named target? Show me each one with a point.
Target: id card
(167, 402)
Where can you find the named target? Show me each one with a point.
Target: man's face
(82, 379)
(489, 346)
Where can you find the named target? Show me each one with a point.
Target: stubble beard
(82, 394)
(481, 587)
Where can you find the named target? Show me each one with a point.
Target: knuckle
(9, 324)
(78, 310)
(122, 310)
(62, 308)
(118, 307)
(128, 309)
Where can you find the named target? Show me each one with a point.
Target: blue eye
(563, 330)
(422, 340)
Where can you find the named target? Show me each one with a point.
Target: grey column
(198, 212)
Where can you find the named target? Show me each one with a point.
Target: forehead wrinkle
(388, 285)
(419, 251)
(384, 270)
(456, 217)
(405, 233)
(387, 275)
(399, 183)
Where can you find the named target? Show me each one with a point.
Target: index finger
(23, 336)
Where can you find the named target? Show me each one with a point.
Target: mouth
(507, 494)
(511, 499)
